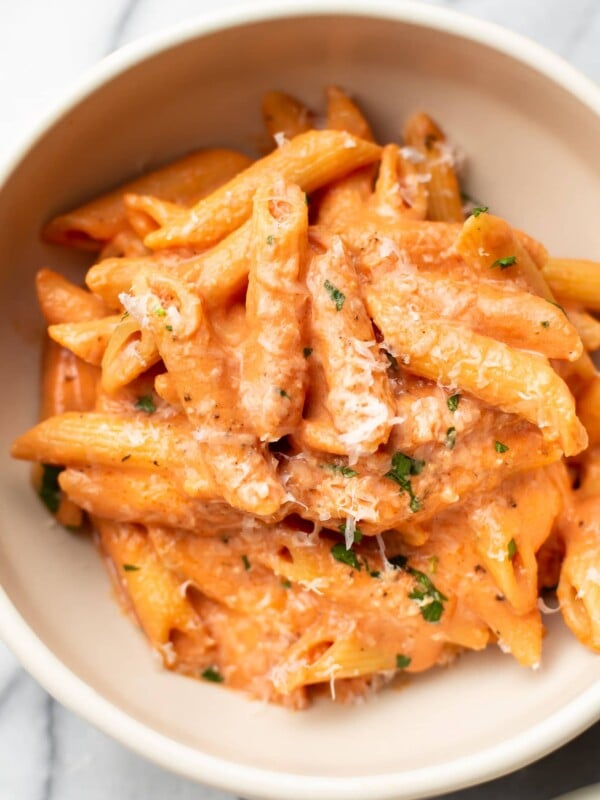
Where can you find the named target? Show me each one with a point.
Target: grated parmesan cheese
(349, 531)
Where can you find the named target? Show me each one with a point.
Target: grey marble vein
(10, 686)
(584, 21)
(121, 24)
(50, 711)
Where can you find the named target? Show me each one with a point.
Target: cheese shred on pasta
(318, 411)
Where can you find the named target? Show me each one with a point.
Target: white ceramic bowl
(530, 126)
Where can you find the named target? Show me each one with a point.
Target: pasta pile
(327, 429)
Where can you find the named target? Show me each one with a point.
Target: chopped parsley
(160, 312)
(131, 567)
(169, 328)
(286, 583)
(49, 491)
(504, 263)
(145, 403)
(246, 562)
(430, 598)
(402, 662)
(545, 323)
(358, 534)
(375, 573)
(450, 439)
(339, 552)
(433, 563)
(336, 295)
(347, 472)
(499, 447)
(283, 393)
(270, 239)
(124, 315)
(453, 402)
(511, 549)
(213, 675)
(479, 210)
(402, 467)
(307, 351)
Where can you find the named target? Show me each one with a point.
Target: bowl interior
(531, 157)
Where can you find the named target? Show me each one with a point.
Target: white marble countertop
(47, 753)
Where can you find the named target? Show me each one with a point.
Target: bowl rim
(78, 696)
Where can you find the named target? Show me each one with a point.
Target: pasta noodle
(327, 429)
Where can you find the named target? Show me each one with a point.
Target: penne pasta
(61, 301)
(574, 280)
(587, 326)
(311, 159)
(173, 314)
(490, 370)
(326, 440)
(183, 181)
(359, 397)
(285, 116)
(152, 590)
(435, 162)
(579, 585)
(87, 340)
(272, 380)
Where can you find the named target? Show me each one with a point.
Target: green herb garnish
(347, 472)
(402, 467)
(131, 567)
(286, 583)
(402, 662)
(169, 328)
(450, 440)
(213, 675)
(430, 598)
(270, 239)
(145, 403)
(453, 402)
(307, 351)
(375, 573)
(504, 263)
(160, 312)
(358, 534)
(545, 323)
(499, 447)
(433, 563)
(50, 491)
(511, 549)
(246, 562)
(336, 295)
(339, 552)
(283, 393)
(479, 210)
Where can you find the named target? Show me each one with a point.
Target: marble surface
(47, 753)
